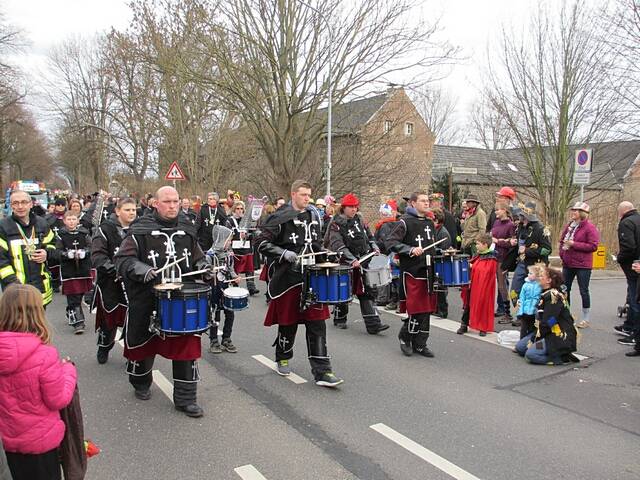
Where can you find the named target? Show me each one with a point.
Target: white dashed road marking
(424, 453)
(272, 365)
(163, 384)
(249, 472)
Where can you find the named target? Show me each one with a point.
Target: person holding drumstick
(412, 238)
(149, 244)
(293, 231)
(348, 236)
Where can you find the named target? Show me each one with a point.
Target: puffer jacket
(34, 386)
(529, 297)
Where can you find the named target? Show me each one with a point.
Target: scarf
(571, 231)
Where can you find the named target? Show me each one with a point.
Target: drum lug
(153, 328)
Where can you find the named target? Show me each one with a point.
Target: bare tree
(488, 127)
(438, 109)
(273, 57)
(552, 90)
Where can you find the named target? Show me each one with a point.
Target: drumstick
(240, 278)
(212, 269)
(434, 244)
(366, 257)
(170, 265)
(313, 254)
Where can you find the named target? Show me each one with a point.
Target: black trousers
(74, 301)
(367, 310)
(415, 330)
(185, 378)
(316, 336)
(41, 466)
(106, 338)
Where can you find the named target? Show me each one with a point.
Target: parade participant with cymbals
(290, 231)
(412, 238)
(348, 236)
(241, 246)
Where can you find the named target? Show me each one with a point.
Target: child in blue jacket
(528, 300)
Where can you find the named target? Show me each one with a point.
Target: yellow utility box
(600, 257)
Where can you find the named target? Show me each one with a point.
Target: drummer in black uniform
(291, 231)
(152, 241)
(411, 238)
(210, 214)
(110, 300)
(348, 236)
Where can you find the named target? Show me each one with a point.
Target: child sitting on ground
(34, 385)
(528, 300)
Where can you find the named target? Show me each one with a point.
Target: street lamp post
(329, 92)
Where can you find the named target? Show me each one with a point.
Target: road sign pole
(582, 193)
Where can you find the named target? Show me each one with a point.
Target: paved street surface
(476, 410)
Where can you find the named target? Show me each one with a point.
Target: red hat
(507, 192)
(350, 200)
(393, 204)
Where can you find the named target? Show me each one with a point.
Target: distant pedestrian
(578, 240)
(34, 385)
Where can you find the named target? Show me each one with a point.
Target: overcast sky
(469, 24)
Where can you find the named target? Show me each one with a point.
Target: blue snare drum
(453, 270)
(330, 283)
(235, 298)
(182, 308)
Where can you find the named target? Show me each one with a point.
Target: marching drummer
(222, 257)
(348, 236)
(292, 231)
(241, 245)
(412, 238)
(154, 243)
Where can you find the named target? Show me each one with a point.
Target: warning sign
(174, 173)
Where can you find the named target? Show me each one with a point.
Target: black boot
(405, 339)
(185, 387)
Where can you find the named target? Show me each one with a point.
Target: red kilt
(243, 263)
(358, 281)
(285, 310)
(418, 298)
(264, 273)
(76, 286)
(179, 347)
(109, 320)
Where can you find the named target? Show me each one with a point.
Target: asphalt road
(476, 410)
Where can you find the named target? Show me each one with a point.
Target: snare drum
(182, 309)
(378, 272)
(330, 284)
(235, 298)
(452, 270)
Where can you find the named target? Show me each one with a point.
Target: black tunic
(209, 217)
(104, 246)
(234, 225)
(409, 232)
(349, 237)
(72, 241)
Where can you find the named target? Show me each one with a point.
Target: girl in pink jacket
(34, 385)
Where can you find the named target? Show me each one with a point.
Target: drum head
(193, 288)
(327, 265)
(168, 286)
(378, 262)
(235, 292)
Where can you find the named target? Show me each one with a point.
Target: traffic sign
(174, 173)
(581, 178)
(464, 170)
(583, 160)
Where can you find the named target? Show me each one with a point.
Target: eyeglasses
(19, 203)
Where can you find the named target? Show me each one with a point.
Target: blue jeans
(519, 276)
(633, 314)
(584, 275)
(500, 302)
(536, 353)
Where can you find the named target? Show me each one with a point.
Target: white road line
(425, 454)
(249, 472)
(272, 365)
(163, 384)
(452, 326)
(119, 334)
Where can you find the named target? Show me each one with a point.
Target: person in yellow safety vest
(26, 245)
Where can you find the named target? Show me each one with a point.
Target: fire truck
(37, 190)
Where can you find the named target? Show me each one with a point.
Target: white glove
(289, 256)
(71, 254)
(81, 254)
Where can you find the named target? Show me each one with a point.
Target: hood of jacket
(15, 347)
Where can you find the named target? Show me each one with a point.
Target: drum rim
(230, 295)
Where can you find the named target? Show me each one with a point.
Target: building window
(408, 128)
(387, 126)
(512, 167)
(496, 166)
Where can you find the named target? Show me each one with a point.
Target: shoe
(328, 379)
(192, 410)
(425, 352)
(627, 341)
(499, 313)
(283, 368)
(381, 304)
(214, 347)
(482, 333)
(78, 328)
(462, 329)
(228, 345)
(254, 292)
(633, 353)
(582, 324)
(622, 330)
(381, 327)
(102, 356)
(504, 320)
(406, 348)
(516, 323)
(341, 325)
(391, 306)
(142, 394)
(442, 314)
